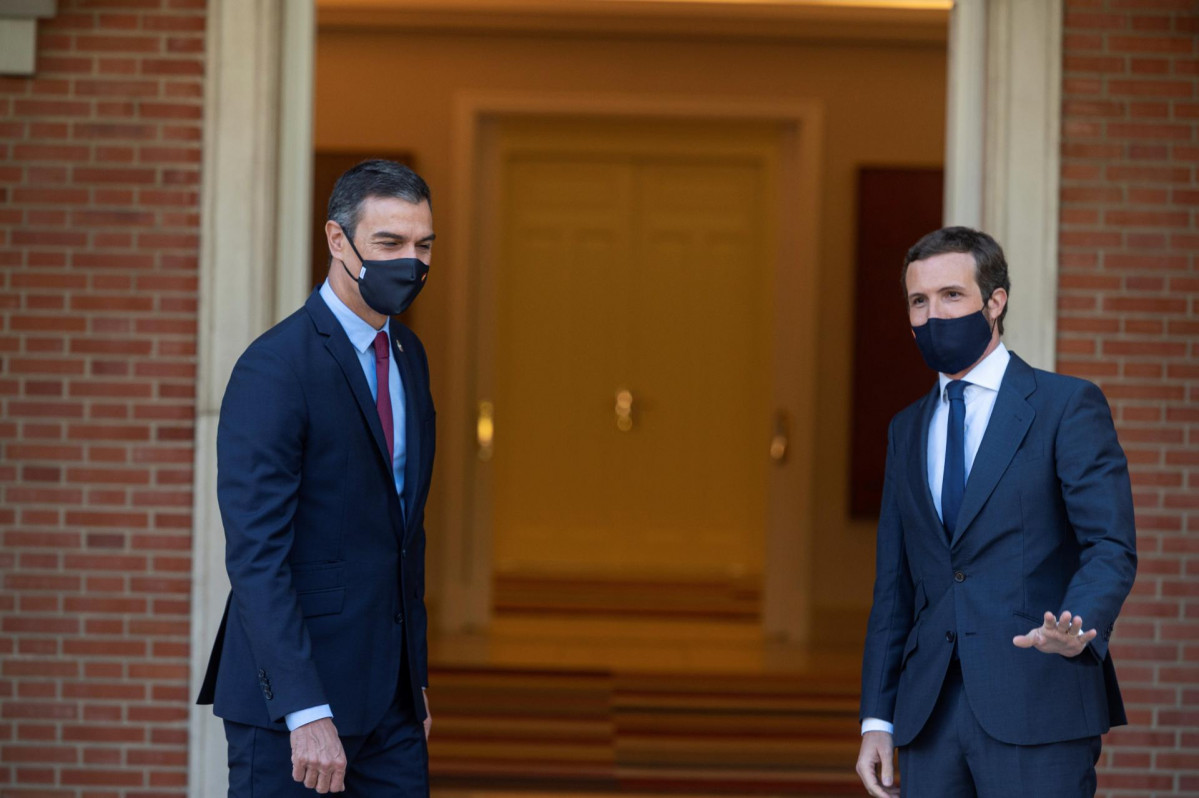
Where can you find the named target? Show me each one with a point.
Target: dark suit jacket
(327, 574)
(1046, 524)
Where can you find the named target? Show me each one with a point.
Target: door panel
(565, 232)
(629, 262)
(696, 473)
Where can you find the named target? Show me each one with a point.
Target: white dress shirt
(984, 380)
(362, 337)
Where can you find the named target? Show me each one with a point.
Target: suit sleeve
(891, 614)
(260, 444)
(421, 618)
(1097, 493)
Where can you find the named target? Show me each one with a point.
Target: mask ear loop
(350, 241)
(992, 323)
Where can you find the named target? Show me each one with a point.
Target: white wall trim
(293, 262)
(1003, 151)
(1020, 207)
(256, 173)
(18, 33)
(965, 114)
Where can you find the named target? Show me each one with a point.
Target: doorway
(634, 419)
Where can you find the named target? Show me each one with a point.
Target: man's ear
(996, 303)
(335, 237)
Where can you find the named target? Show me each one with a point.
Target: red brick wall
(1129, 319)
(99, 173)
(99, 227)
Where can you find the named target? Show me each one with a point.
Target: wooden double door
(630, 391)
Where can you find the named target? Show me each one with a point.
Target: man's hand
(1057, 636)
(878, 753)
(317, 758)
(428, 715)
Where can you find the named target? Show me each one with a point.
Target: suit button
(403, 552)
(269, 695)
(950, 637)
(958, 576)
(399, 617)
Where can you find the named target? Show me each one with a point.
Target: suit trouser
(953, 757)
(392, 760)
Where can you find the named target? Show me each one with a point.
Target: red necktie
(383, 392)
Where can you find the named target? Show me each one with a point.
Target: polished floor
(586, 707)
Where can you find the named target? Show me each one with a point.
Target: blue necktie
(953, 485)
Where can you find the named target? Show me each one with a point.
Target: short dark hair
(373, 178)
(990, 267)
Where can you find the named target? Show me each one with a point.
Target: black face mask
(951, 346)
(388, 286)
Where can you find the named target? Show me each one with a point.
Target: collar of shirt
(362, 338)
(361, 334)
(987, 374)
(980, 397)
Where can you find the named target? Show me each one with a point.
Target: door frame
(255, 216)
(1000, 51)
(1003, 151)
(467, 545)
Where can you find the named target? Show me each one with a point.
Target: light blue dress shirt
(362, 338)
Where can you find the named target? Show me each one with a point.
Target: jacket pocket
(1037, 620)
(317, 576)
(321, 602)
(919, 603)
(910, 648)
(320, 587)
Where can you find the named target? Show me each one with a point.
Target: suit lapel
(342, 350)
(1010, 420)
(918, 459)
(411, 426)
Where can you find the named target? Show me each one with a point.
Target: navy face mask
(951, 346)
(388, 286)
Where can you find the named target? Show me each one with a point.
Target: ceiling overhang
(898, 21)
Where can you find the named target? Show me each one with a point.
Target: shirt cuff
(304, 716)
(874, 724)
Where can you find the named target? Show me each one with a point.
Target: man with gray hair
(324, 456)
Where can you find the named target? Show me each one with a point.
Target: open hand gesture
(1057, 636)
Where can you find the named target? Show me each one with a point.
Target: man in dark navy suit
(324, 455)
(1007, 520)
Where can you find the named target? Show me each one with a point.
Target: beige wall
(884, 104)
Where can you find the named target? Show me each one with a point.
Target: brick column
(1128, 319)
(99, 195)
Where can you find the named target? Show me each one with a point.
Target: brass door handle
(624, 410)
(485, 430)
(781, 439)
